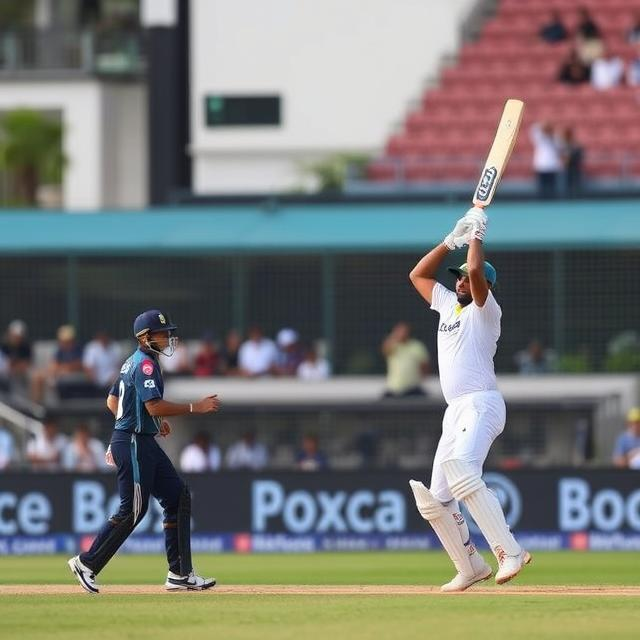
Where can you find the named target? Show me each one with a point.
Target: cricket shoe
(462, 582)
(192, 582)
(510, 566)
(85, 576)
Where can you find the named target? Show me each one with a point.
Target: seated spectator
(17, 351)
(535, 359)
(44, 452)
(83, 453)
(407, 362)
(626, 453)
(588, 38)
(207, 360)
(102, 359)
(179, 364)
(313, 367)
(633, 34)
(633, 69)
(574, 70)
(310, 458)
(554, 30)
(200, 455)
(229, 353)
(547, 159)
(607, 72)
(572, 154)
(7, 448)
(247, 453)
(257, 355)
(65, 368)
(289, 353)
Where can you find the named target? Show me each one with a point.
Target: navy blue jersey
(140, 380)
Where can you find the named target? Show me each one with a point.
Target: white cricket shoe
(462, 582)
(85, 576)
(510, 566)
(192, 582)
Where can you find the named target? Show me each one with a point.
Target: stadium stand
(446, 137)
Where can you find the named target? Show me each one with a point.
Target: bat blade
(500, 152)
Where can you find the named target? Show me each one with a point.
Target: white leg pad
(466, 484)
(446, 526)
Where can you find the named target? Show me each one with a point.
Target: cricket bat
(503, 143)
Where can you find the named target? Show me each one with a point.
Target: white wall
(104, 139)
(346, 71)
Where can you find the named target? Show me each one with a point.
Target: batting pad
(467, 485)
(445, 526)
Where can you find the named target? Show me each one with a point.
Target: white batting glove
(477, 214)
(460, 230)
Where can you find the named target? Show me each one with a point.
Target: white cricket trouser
(471, 423)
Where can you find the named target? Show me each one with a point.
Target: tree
(31, 149)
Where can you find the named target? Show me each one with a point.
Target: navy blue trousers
(140, 461)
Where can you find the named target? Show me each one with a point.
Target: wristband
(191, 407)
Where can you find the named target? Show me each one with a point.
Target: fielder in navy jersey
(136, 401)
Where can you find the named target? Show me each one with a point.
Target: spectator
(407, 362)
(313, 367)
(65, 368)
(247, 453)
(17, 350)
(573, 70)
(200, 455)
(633, 34)
(289, 354)
(179, 364)
(607, 72)
(44, 452)
(535, 359)
(207, 360)
(310, 458)
(7, 448)
(554, 30)
(101, 360)
(547, 159)
(626, 453)
(257, 355)
(572, 154)
(229, 355)
(4, 372)
(83, 453)
(633, 69)
(588, 38)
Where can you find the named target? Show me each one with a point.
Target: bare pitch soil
(347, 590)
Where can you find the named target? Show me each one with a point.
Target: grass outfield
(480, 613)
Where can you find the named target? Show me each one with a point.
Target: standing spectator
(535, 359)
(310, 458)
(313, 367)
(207, 360)
(588, 38)
(229, 356)
(554, 30)
(83, 453)
(633, 34)
(200, 455)
(574, 70)
(607, 72)
(102, 359)
(289, 354)
(179, 364)
(547, 160)
(626, 453)
(257, 355)
(407, 362)
(17, 350)
(572, 154)
(7, 448)
(44, 452)
(247, 453)
(65, 368)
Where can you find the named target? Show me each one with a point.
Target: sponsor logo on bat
(486, 183)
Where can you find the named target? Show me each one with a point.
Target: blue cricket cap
(489, 272)
(152, 320)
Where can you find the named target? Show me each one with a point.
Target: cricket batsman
(468, 333)
(136, 401)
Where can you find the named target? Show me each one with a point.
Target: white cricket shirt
(467, 341)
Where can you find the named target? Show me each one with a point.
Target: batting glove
(460, 230)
